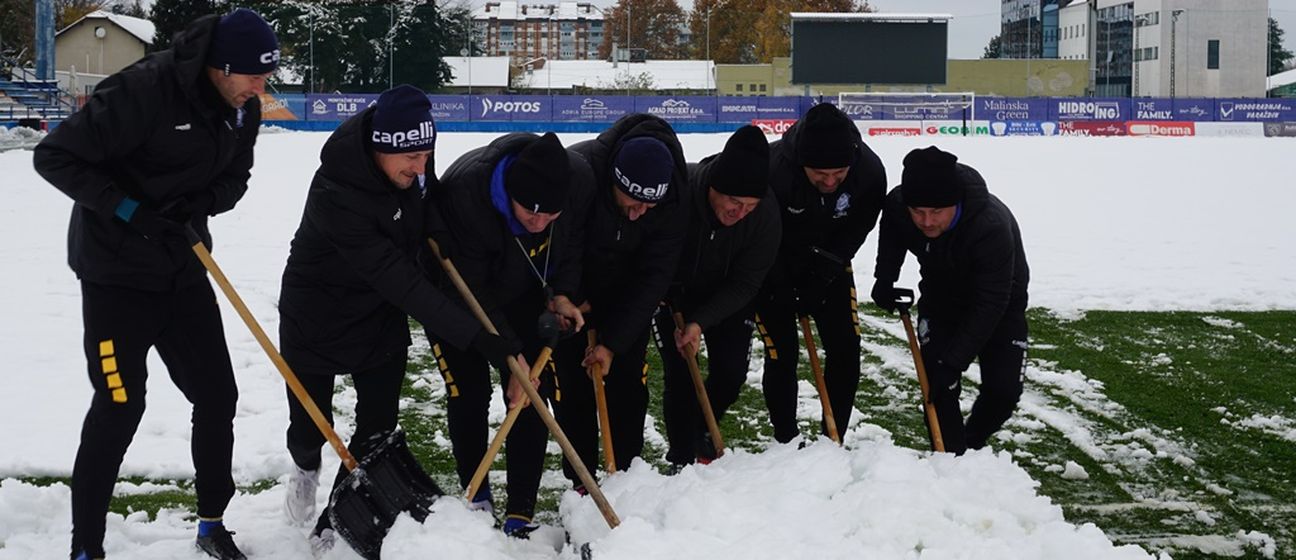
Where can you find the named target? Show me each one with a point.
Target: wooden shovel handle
(600, 399)
(820, 384)
(522, 376)
(699, 389)
(933, 424)
(289, 377)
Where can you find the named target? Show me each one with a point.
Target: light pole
(1174, 21)
(708, 44)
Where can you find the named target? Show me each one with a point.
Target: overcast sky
(976, 21)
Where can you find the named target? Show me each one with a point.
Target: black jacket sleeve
(655, 266)
(891, 247)
(566, 279)
(392, 273)
(77, 155)
(748, 270)
(993, 259)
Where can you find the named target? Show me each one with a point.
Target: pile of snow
(19, 137)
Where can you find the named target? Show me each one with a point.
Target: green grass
(1155, 407)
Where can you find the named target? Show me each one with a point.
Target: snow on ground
(1108, 224)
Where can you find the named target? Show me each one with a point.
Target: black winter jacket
(157, 131)
(629, 265)
(974, 274)
(352, 274)
(721, 268)
(837, 223)
(485, 250)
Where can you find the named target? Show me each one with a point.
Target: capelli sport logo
(269, 57)
(638, 191)
(424, 135)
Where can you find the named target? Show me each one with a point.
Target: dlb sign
(337, 107)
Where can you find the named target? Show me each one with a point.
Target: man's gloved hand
(549, 328)
(884, 296)
(185, 209)
(940, 375)
(496, 349)
(822, 269)
(147, 221)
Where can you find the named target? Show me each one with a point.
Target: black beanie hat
(402, 121)
(643, 168)
(243, 43)
(539, 177)
(743, 167)
(827, 138)
(930, 179)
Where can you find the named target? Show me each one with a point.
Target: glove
(496, 349)
(884, 296)
(823, 269)
(147, 221)
(185, 209)
(548, 328)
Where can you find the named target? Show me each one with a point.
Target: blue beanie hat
(402, 121)
(243, 43)
(643, 168)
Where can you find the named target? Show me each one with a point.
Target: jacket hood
(975, 193)
(346, 157)
(189, 50)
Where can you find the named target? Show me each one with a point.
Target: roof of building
(142, 29)
(1281, 79)
(601, 74)
(871, 16)
(512, 10)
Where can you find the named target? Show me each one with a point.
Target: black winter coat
(629, 265)
(352, 274)
(721, 268)
(485, 250)
(837, 223)
(974, 274)
(157, 131)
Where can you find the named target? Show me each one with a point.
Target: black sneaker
(219, 543)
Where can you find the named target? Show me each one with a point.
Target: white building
(1169, 48)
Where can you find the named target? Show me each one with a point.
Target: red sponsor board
(1092, 128)
(773, 126)
(1162, 128)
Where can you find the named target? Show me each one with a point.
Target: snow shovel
(549, 333)
(699, 388)
(600, 397)
(904, 298)
(388, 482)
(820, 384)
(572, 457)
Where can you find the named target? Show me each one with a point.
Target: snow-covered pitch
(1108, 223)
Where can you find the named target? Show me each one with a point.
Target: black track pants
(121, 324)
(1003, 367)
(727, 347)
(627, 401)
(469, 391)
(837, 323)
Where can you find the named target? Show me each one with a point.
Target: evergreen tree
(171, 16)
(1278, 56)
(993, 48)
(132, 8)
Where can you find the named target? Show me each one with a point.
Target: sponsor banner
(774, 127)
(337, 106)
(1091, 128)
(1023, 128)
(748, 109)
(449, 107)
(956, 128)
(1234, 129)
(1277, 129)
(515, 108)
(1016, 109)
(1194, 109)
(1152, 110)
(1089, 109)
(1161, 128)
(893, 108)
(889, 128)
(678, 108)
(576, 108)
(1275, 109)
(275, 109)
